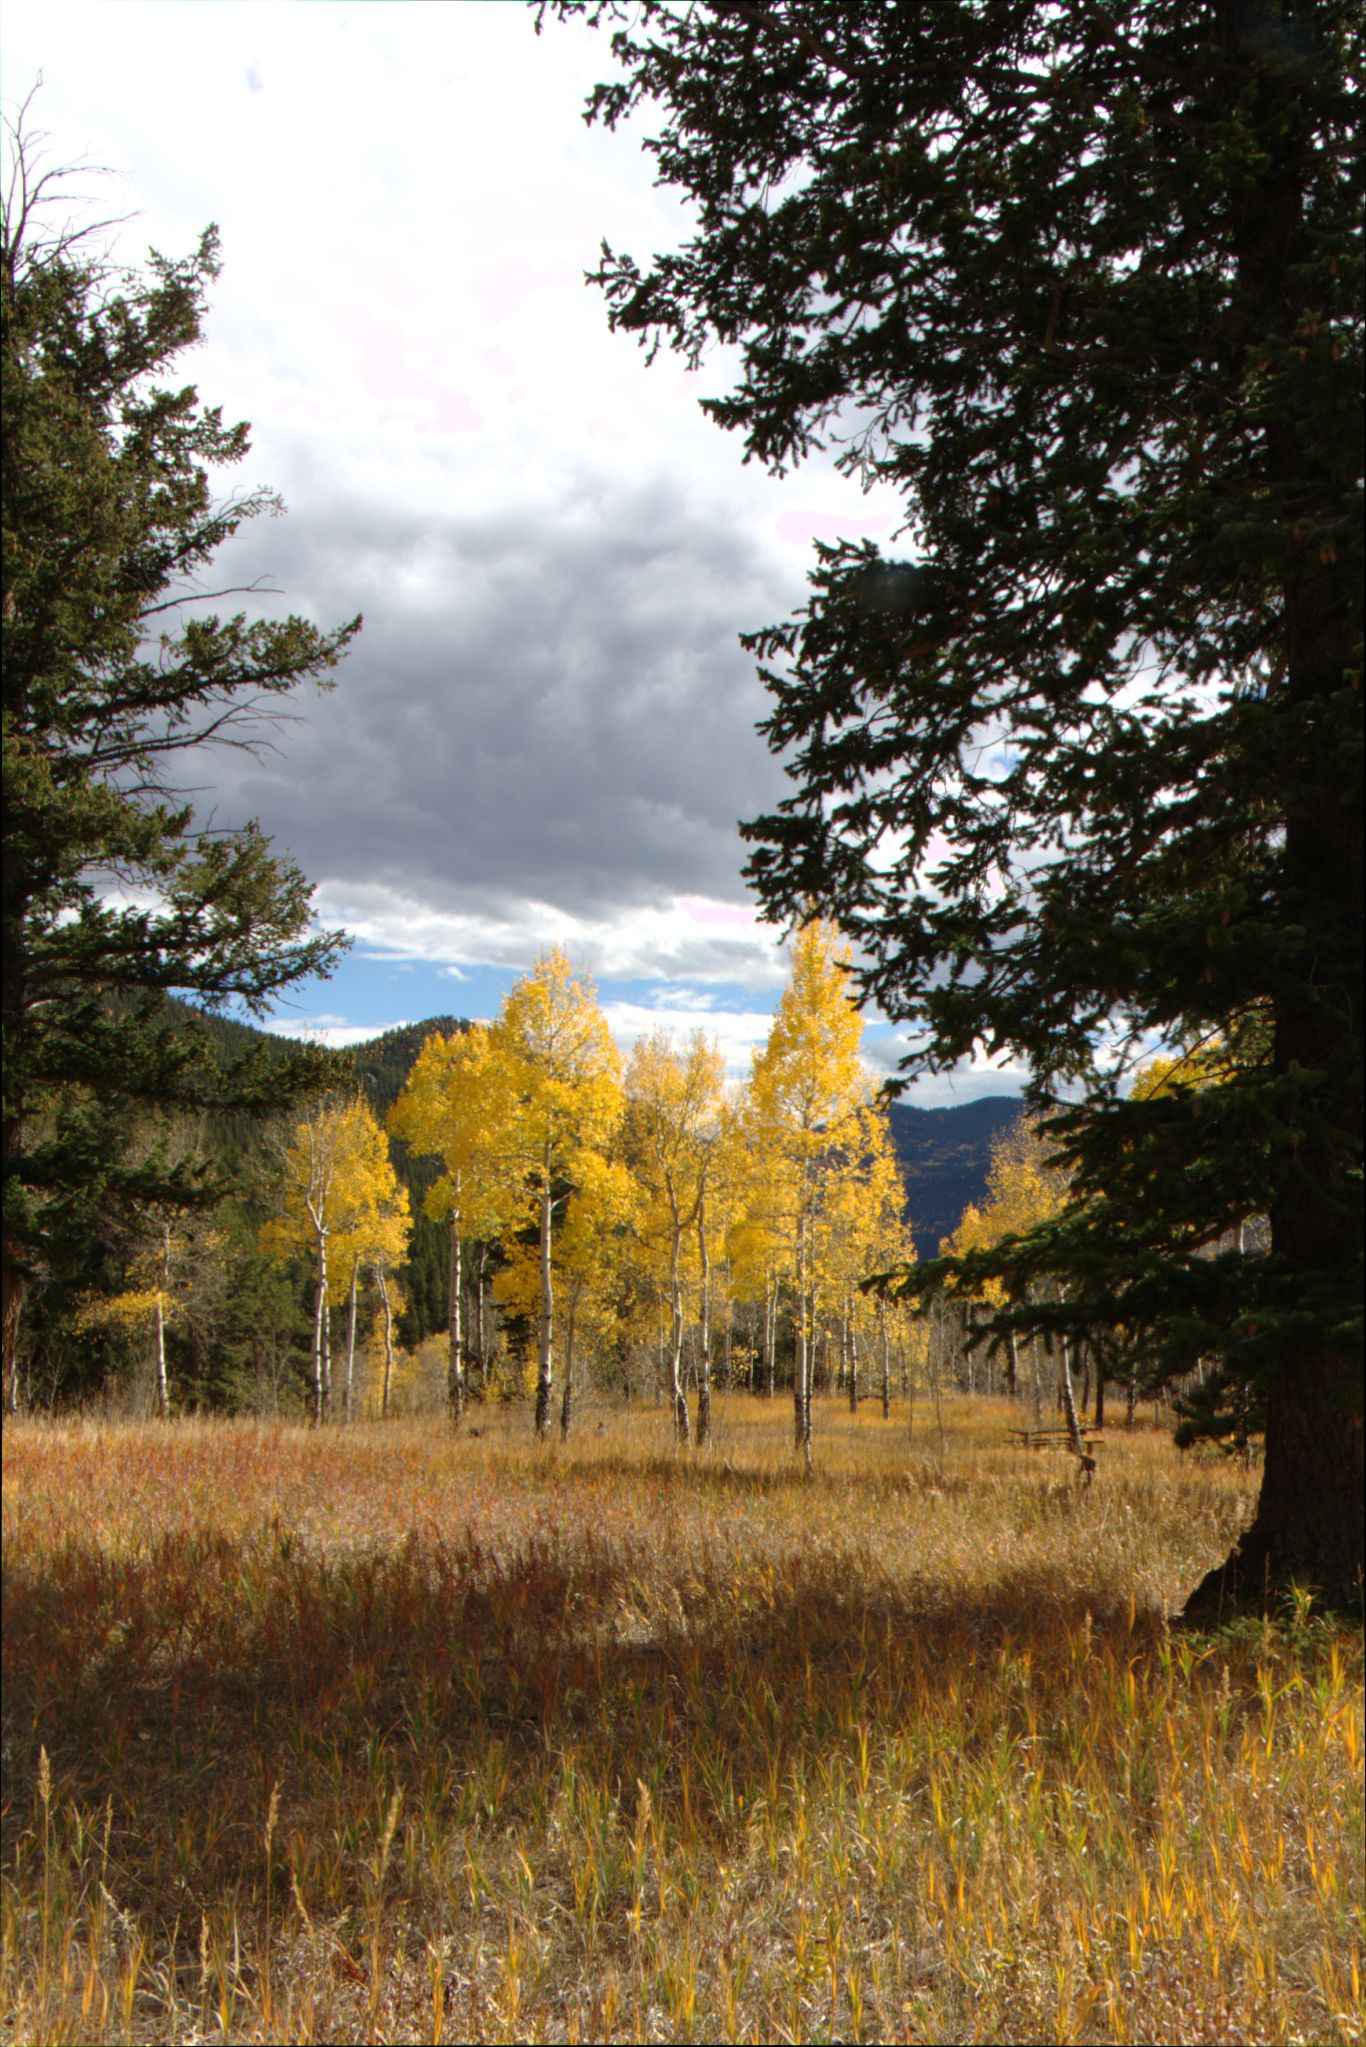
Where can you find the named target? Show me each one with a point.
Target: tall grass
(382, 1735)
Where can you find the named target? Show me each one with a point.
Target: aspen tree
(451, 1108)
(555, 1089)
(670, 1128)
(339, 1190)
(150, 1301)
(754, 1239)
(807, 1088)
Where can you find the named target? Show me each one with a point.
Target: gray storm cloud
(547, 704)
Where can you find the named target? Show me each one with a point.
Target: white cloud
(678, 940)
(736, 1032)
(330, 1031)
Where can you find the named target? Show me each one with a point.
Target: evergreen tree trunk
(1308, 1524)
(13, 1304)
(12, 1275)
(545, 1377)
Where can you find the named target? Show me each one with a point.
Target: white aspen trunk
(545, 1380)
(770, 1334)
(1069, 1405)
(388, 1341)
(886, 1359)
(319, 1329)
(567, 1398)
(1065, 1393)
(348, 1391)
(704, 1333)
(163, 1390)
(936, 1377)
(730, 1323)
(660, 1353)
(455, 1361)
(480, 1333)
(677, 1393)
(805, 1306)
(852, 1328)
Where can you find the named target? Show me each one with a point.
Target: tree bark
(886, 1361)
(163, 1293)
(13, 1274)
(852, 1327)
(678, 1396)
(388, 1340)
(480, 1332)
(319, 1332)
(455, 1360)
(348, 1390)
(704, 1334)
(567, 1397)
(1308, 1526)
(545, 1377)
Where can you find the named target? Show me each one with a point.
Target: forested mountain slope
(944, 1155)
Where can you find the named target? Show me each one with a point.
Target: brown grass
(384, 1736)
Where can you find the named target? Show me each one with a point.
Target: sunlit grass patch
(325, 1735)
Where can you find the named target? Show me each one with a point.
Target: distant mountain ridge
(945, 1156)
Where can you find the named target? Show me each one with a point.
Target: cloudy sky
(545, 733)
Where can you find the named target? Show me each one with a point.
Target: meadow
(380, 1734)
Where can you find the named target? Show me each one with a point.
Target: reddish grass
(385, 1735)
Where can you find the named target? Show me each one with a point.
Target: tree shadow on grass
(186, 1683)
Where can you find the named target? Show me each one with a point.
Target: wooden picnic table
(1040, 1439)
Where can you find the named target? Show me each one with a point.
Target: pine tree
(113, 896)
(1082, 771)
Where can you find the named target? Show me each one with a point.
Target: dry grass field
(381, 1735)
